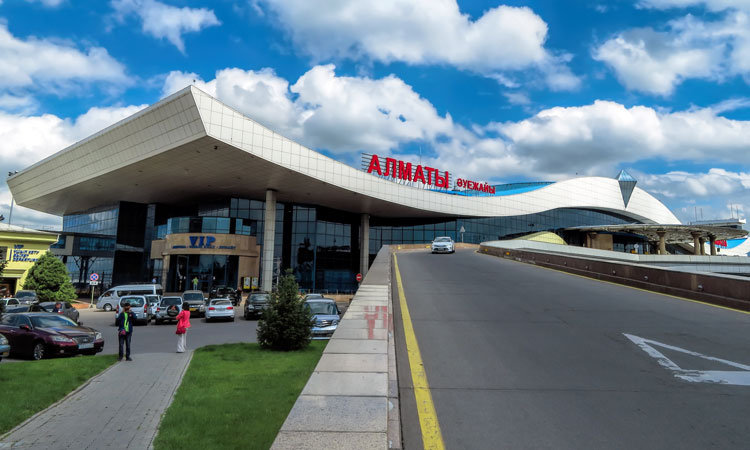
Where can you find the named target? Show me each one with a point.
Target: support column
(590, 239)
(702, 242)
(696, 242)
(364, 245)
(662, 242)
(712, 240)
(269, 234)
(164, 272)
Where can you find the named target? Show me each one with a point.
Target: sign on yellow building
(21, 247)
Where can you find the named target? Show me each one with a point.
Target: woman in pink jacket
(183, 323)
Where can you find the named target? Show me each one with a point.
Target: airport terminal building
(190, 188)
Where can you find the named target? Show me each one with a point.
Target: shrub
(49, 278)
(285, 324)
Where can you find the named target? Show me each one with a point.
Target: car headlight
(61, 339)
(98, 336)
(335, 322)
(3, 340)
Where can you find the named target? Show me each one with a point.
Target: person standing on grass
(124, 324)
(183, 323)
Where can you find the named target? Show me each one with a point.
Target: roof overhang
(673, 234)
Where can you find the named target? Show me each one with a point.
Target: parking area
(153, 338)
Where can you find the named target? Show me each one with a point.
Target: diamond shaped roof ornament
(627, 184)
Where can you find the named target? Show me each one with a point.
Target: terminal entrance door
(208, 270)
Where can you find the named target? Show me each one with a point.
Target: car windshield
(22, 294)
(323, 308)
(259, 298)
(314, 296)
(192, 296)
(152, 298)
(51, 321)
(134, 301)
(221, 302)
(166, 301)
(443, 239)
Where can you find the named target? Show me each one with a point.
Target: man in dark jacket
(124, 324)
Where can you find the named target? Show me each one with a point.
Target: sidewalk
(119, 408)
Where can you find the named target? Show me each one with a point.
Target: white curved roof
(190, 145)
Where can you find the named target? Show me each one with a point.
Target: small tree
(285, 324)
(49, 278)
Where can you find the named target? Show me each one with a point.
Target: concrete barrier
(723, 290)
(351, 399)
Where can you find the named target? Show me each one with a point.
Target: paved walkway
(120, 408)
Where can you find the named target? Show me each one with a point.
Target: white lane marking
(734, 377)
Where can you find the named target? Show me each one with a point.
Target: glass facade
(320, 245)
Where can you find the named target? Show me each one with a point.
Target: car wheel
(108, 307)
(38, 352)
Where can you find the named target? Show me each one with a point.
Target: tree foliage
(285, 324)
(49, 278)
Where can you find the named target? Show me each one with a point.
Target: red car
(41, 335)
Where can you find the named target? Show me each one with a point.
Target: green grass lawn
(235, 396)
(30, 386)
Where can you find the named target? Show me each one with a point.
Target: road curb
(171, 398)
(70, 394)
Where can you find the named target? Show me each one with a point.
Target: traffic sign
(94, 283)
(359, 278)
(94, 277)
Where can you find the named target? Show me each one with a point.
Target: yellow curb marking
(632, 287)
(432, 437)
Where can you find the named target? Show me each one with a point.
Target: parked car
(326, 317)
(256, 303)
(4, 347)
(311, 296)
(196, 301)
(220, 308)
(111, 298)
(40, 335)
(66, 309)
(443, 244)
(9, 301)
(225, 292)
(153, 303)
(168, 309)
(138, 306)
(26, 297)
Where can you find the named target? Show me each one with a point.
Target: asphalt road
(520, 357)
(162, 339)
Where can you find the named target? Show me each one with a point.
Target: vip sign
(202, 241)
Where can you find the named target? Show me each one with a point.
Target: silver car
(326, 315)
(443, 244)
(168, 303)
(220, 308)
(138, 306)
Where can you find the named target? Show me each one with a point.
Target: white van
(111, 298)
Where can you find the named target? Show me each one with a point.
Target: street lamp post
(10, 216)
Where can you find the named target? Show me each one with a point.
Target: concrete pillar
(590, 239)
(696, 242)
(662, 242)
(702, 243)
(364, 246)
(712, 240)
(165, 272)
(269, 234)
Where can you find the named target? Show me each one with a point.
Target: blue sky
(491, 91)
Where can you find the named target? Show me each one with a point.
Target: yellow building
(21, 247)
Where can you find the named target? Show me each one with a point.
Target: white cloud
(322, 110)
(504, 38)
(656, 62)
(164, 21)
(27, 139)
(711, 5)
(52, 65)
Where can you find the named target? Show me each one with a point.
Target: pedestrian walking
(183, 323)
(124, 324)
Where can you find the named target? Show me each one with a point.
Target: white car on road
(443, 244)
(219, 308)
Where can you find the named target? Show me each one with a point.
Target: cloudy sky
(498, 92)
